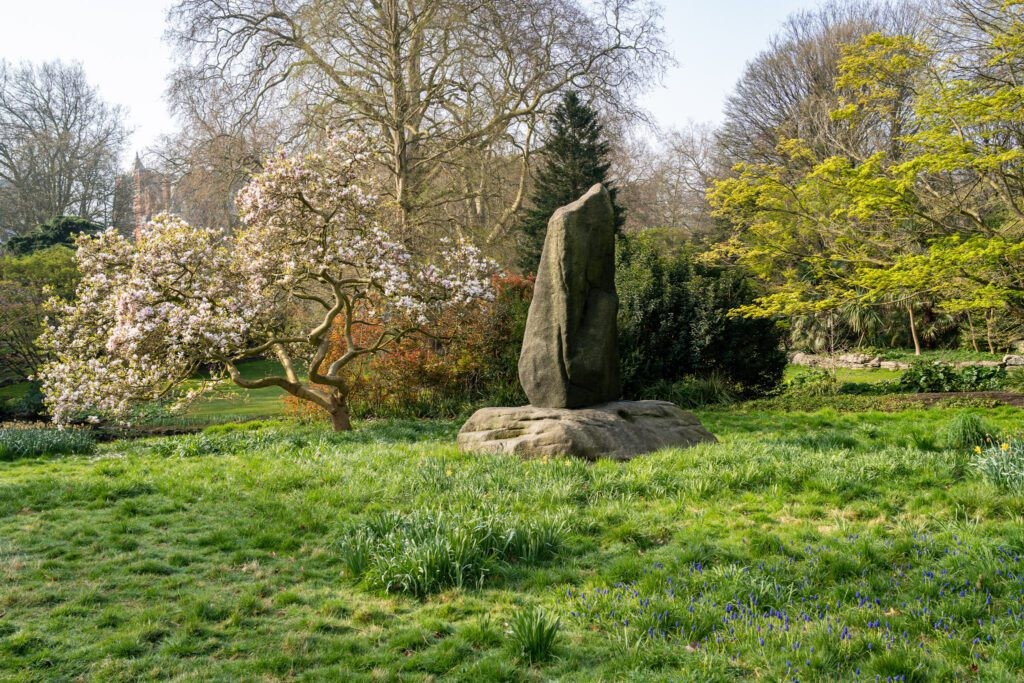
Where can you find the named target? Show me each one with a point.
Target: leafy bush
(31, 443)
(427, 552)
(30, 405)
(58, 231)
(1002, 464)
(967, 431)
(27, 406)
(533, 634)
(924, 377)
(25, 283)
(812, 383)
(929, 377)
(675, 322)
(1014, 380)
(982, 378)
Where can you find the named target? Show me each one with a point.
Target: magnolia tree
(315, 253)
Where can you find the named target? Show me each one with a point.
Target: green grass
(238, 403)
(13, 391)
(848, 542)
(845, 374)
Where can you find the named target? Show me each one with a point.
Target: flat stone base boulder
(620, 430)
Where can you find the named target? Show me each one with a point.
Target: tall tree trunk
(974, 336)
(988, 332)
(913, 330)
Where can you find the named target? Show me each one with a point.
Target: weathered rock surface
(853, 361)
(570, 357)
(619, 430)
(860, 361)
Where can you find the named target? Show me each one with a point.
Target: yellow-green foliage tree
(935, 211)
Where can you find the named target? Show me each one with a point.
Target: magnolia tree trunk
(340, 420)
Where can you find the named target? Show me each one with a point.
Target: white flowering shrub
(316, 252)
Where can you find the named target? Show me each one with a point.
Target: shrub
(812, 383)
(929, 377)
(29, 406)
(982, 378)
(58, 231)
(533, 634)
(1002, 464)
(1014, 380)
(924, 376)
(967, 431)
(31, 443)
(675, 322)
(424, 553)
(471, 359)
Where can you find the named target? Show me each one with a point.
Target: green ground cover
(845, 374)
(237, 403)
(13, 391)
(803, 546)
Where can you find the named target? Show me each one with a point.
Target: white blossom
(150, 311)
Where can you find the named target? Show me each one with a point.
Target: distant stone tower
(152, 193)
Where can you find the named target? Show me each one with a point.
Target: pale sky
(119, 43)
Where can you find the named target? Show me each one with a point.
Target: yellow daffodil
(1005, 447)
(977, 449)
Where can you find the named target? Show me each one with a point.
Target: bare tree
(788, 91)
(666, 186)
(60, 144)
(452, 85)
(213, 154)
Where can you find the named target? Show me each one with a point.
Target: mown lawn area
(804, 546)
(236, 403)
(13, 391)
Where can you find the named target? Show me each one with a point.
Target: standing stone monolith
(570, 358)
(569, 365)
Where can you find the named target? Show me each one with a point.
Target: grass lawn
(803, 546)
(845, 374)
(13, 391)
(231, 402)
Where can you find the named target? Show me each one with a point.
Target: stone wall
(862, 361)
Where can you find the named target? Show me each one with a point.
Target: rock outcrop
(619, 430)
(570, 357)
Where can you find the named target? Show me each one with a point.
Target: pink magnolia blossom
(315, 250)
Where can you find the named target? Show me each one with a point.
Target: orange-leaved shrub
(465, 360)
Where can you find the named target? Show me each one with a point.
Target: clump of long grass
(32, 443)
(967, 430)
(533, 634)
(426, 552)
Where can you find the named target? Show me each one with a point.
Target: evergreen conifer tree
(575, 157)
